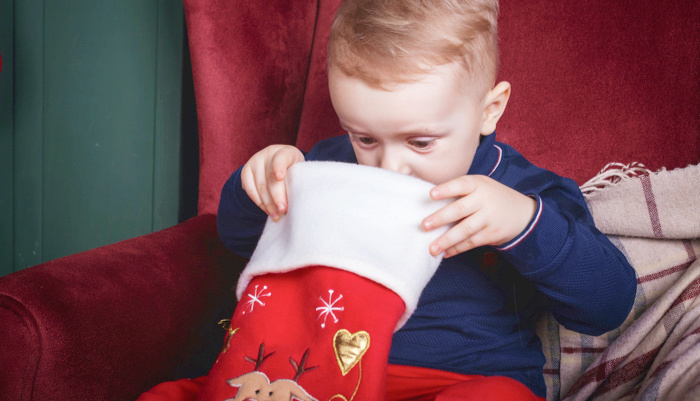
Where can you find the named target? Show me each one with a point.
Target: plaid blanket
(654, 218)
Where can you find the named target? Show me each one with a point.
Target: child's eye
(366, 140)
(363, 140)
(422, 143)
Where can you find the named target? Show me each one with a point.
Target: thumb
(284, 159)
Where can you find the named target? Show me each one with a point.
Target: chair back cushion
(250, 62)
(593, 82)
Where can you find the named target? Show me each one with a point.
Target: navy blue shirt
(478, 313)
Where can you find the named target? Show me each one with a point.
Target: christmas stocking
(326, 288)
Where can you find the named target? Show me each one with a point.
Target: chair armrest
(109, 323)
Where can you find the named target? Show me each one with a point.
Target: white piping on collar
(498, 162)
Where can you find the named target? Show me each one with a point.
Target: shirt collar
(487, 157)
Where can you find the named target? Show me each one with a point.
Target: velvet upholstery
(107, 323)
(598, 81)
(593, 82)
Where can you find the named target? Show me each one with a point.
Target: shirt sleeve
(589, 284)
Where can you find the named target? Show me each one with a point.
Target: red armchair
(593, 82)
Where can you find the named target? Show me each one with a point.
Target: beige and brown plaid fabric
(654, 219)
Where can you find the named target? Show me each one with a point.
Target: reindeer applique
(256, 386)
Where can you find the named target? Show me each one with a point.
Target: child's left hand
(485, 212)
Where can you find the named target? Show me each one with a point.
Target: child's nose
(393, 163)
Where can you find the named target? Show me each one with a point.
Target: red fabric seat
(593, 82)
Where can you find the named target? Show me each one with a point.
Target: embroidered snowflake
(255, 298)
(329, 308)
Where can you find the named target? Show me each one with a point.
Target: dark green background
(97, 137)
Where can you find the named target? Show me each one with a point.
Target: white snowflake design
(255, 298)
(329, 308)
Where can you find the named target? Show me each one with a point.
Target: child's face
(429, 128)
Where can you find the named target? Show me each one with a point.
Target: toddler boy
(414, 84)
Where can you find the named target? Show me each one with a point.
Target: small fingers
(283, 159)
(248, 184)
(464, 246)
(279, 164)
(254, 182)
(263, 178)
(256, 189)
(466, 235)
(458, 187)
(277, 191)
(454, 212)
(267, 204)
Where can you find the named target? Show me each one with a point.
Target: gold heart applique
(349, 348)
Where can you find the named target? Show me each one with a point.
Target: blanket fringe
(613, 173)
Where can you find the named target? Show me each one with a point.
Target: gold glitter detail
(349, 348)
(230, 332)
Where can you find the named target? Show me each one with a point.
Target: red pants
(404, 383)
(420, 384)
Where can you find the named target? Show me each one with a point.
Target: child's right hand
(263, 176)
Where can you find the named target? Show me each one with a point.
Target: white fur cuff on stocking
(356, 218)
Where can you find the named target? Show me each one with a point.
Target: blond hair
(397, 41)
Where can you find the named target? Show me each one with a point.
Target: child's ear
(496, 101)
